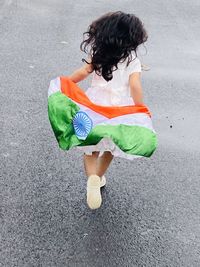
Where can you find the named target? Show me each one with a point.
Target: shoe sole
(94, 198)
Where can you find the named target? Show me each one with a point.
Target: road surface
(151, 207)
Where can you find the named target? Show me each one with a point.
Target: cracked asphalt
(150, 214)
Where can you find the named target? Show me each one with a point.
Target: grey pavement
(151, 207)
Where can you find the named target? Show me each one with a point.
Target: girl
(110, 119)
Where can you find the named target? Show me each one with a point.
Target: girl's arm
(136, 88)
(82, 73)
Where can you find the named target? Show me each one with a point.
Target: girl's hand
(136, 88)
(82, 73)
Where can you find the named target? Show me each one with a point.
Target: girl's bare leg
(95, 168)
(94, 198)
(90, 163)
(103, 163)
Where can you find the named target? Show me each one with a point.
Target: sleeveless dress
(105, 113)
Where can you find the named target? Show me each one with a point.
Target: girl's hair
(111, 39)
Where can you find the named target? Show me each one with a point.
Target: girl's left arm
(136, 88)
(82, 73)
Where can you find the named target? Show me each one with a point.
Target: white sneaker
(94, 198)
(103, 181)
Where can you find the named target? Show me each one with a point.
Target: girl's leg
(94, 198)
(95, 167)
(103, 163)
(90, 163)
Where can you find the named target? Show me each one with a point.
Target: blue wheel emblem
(82, 125)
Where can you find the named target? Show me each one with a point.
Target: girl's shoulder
(133, 66)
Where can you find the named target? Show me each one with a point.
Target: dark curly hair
(111, 39)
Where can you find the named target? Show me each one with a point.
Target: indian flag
(76, 121)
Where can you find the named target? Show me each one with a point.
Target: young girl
(110, 119)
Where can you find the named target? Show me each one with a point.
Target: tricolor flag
(76, 121)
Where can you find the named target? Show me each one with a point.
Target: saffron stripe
(71, 90)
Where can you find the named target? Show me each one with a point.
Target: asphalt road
(151, 207)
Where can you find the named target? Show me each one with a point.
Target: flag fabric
(78, 122)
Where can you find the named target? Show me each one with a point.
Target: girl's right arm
(82, 73)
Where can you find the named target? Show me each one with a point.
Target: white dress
(113, 93)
